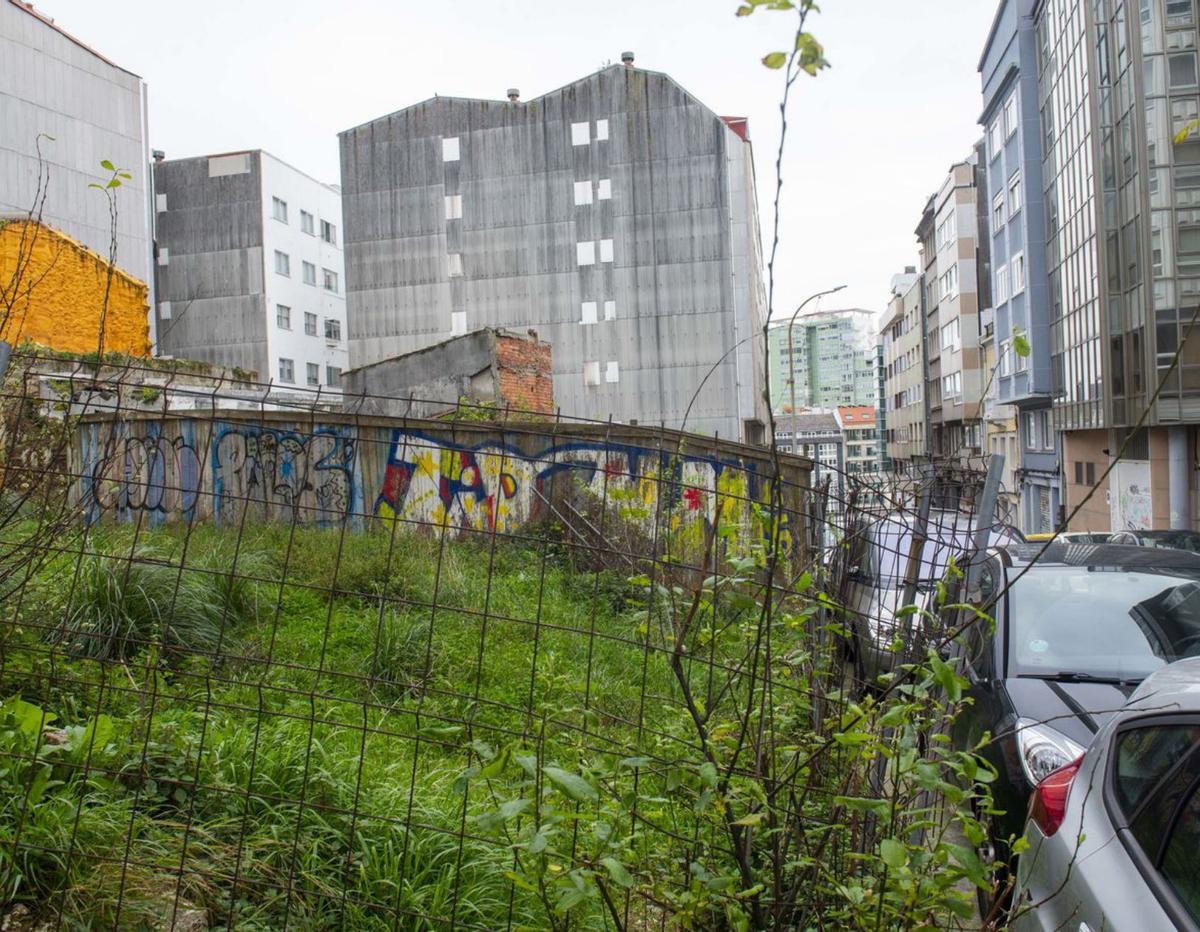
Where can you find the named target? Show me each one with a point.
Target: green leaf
(893, 853)
(113, 183)
(968, 859)
(125, 175)
(633, 762)
(538, 843)
(1020, 343)
(106, 165)
(744, 10)
(573, 785)
(520, 881)
(751, 819)
(775, 60)
(497, 765)
(708, 774)
(616, 870)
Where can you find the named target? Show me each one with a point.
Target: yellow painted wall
(61, 292)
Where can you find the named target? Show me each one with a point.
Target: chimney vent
(514, 94)
(158, 155)
(910, 269)
(627, 59)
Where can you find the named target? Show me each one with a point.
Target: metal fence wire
(266, 662)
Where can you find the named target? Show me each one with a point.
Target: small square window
(306, 222)
(454, 266)
(604, 189)
(583, 192)
(283, 263)
(586, 252)
(610, 310)
(329, 232)
(601, 130)
(160, 203)
(450, 149)
(164, 257)
(580, 134)
(588, 315)
(606, 250)
(1016, 270)
(287, 370)
(1014, 193)
(310, 273)
(1182, 69)
(453, 206)
(313, 373)
(164, 310)
(1010, 116)
(279, 209)
(283, 317)
(333, 329)
(591, 373)
(458, 322)
(612, 372)
(330, 280)
(310, 324)
(333, 376)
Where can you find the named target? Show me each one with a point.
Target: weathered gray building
(616, 216)
(249, 268)
(81, 109)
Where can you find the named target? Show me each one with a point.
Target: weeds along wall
(328, 469)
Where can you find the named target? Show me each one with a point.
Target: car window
(1143, 757)
(1102, 621)
(1179, 860)
(1154, 817)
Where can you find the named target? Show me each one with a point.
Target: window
(1179, 858)
(454, 265)
(329, 232)
(333, 375)
(946, 231)
(458, 322)
(310, 324)
(306, 222)
(951, 336)
(601, 130)
(313, 372)
(333, 329)
(1016, 269)
(585, 253)
(1010, 116)
(580, 134)
(583, 192)
(606, 250)
(603, 189)
(1006, 355)
(588, 312)
(287, 370)
(997, 212)
(279, 209)
(283, 263)
(1182, 68)
(450, 149)
(1014, 193)
(1001, 290)
(283, 317)
(591, 373)
(453, 206)
(310, 273)
(610, 310)
(995, 141)
(330, 282)
(612, 372)
(948, 283)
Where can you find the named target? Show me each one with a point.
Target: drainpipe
(1178, 502)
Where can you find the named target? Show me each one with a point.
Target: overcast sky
(869, 139)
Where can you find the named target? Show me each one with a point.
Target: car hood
(1078, 710)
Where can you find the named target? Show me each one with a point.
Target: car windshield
(1102, 622)
(891, 542)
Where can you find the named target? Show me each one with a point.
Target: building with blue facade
(1011, 119)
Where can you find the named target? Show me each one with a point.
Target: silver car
(1114, 837)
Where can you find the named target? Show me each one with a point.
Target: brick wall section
(524, 373)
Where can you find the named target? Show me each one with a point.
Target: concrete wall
(465, 477)
(94, 110)
(662, 181)
(61, 290)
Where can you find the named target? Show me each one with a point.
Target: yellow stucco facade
(59, 294)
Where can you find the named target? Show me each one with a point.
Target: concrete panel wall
(684, 280)
(94, 110)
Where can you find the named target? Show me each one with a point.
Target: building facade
(860, 438)
(249, 268)
(1016, 206)
(828, 357)
(818, 436)
(79, 109)
(904, 399)
(615, 216)
(1116, 82)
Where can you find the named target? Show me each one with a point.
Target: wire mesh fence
(267, 662)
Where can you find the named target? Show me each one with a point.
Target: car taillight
(1048, 804)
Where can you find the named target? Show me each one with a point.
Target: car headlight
(1043, 750)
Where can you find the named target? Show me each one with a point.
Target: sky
(868, 140)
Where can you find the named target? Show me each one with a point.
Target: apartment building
(860, 438)
(818, 436)
(1016, 207)
(79, 108)
(903, 400)
(1116, 82)
(823, 360)
(249, 268)
(615, 216)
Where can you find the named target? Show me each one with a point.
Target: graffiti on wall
(283, 471)
(153, 474)
(493, 486)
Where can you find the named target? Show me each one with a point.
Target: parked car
(1172, 540)
(1073, 635)
(878, 555)
(1114, 835)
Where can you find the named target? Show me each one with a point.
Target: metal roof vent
(514, 94)
(627, 59)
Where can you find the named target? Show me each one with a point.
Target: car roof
(1173, 688)
(1127, 556)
